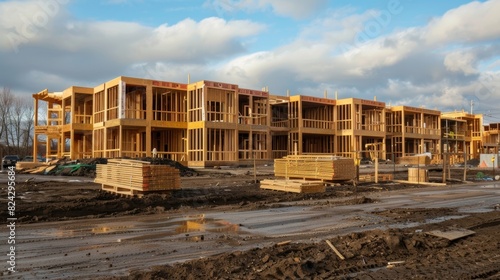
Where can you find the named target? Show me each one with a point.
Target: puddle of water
(177, 226)
(207, 225)
(183, 227)
(479, 210)
(444, 218)
(86, 229)
(427, 221)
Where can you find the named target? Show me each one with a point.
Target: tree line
(16, 124)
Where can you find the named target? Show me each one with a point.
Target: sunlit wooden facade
(208, 123)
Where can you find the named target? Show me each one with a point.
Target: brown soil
(367, 253)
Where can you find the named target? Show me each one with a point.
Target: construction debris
(451, 234)
(87, 167)
(335, 250)
(394, 263)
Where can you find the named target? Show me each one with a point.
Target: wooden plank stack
(414, 160)
(296, 186)
(417, 175)
(136, 178)
(315, 167)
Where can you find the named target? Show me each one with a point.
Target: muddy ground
(367, 254)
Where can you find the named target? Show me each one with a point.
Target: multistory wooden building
(66, 129)
(311, 125)
(412, 131)
(474, 132)
(134, 116)
(491, 138)
(208, 123)
(358, 123)
(280, 126)
(226, 124)
(453, 140)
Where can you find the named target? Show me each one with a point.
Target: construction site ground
(221, 225)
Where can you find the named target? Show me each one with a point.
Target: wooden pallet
(123, 191)
(317, 167)
(371, 177)
(296, 186)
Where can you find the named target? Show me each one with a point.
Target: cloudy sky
(436, 54)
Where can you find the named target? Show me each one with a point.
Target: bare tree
(6, 101)
(16, 123)
(28, 127)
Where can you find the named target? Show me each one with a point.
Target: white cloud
(86, 52)
(407, 67)
(209, 39)
(439, 65)
(460, 61)
(293, 9)
(22, 22)
(475, 21)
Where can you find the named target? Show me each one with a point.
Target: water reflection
(207, 225)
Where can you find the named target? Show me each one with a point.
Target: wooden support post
(465, 163)
(444, 167)
(254, 169)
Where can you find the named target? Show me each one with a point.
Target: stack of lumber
(296, 186)
(135, 178)
(414, 160)
(417, 175)
(316, 167)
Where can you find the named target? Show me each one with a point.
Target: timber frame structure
(413, 131)
(474, 130)
(491, 139)
(208, 123)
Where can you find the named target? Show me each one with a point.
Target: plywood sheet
(451, 234)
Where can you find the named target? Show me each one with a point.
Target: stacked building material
(297, 186)
(418, 175)
(133, 177)
(422, 159)
(316, 167)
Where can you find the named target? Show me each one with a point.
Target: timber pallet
(371, 178)
(296, 186)
(128, 192)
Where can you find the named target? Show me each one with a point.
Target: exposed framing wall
(414, 131)
(210, 123)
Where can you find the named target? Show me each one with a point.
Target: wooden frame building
(474, 132)
(453, 140)
(491, 138)
(412, 131)
(208, 123)
(359, 122)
